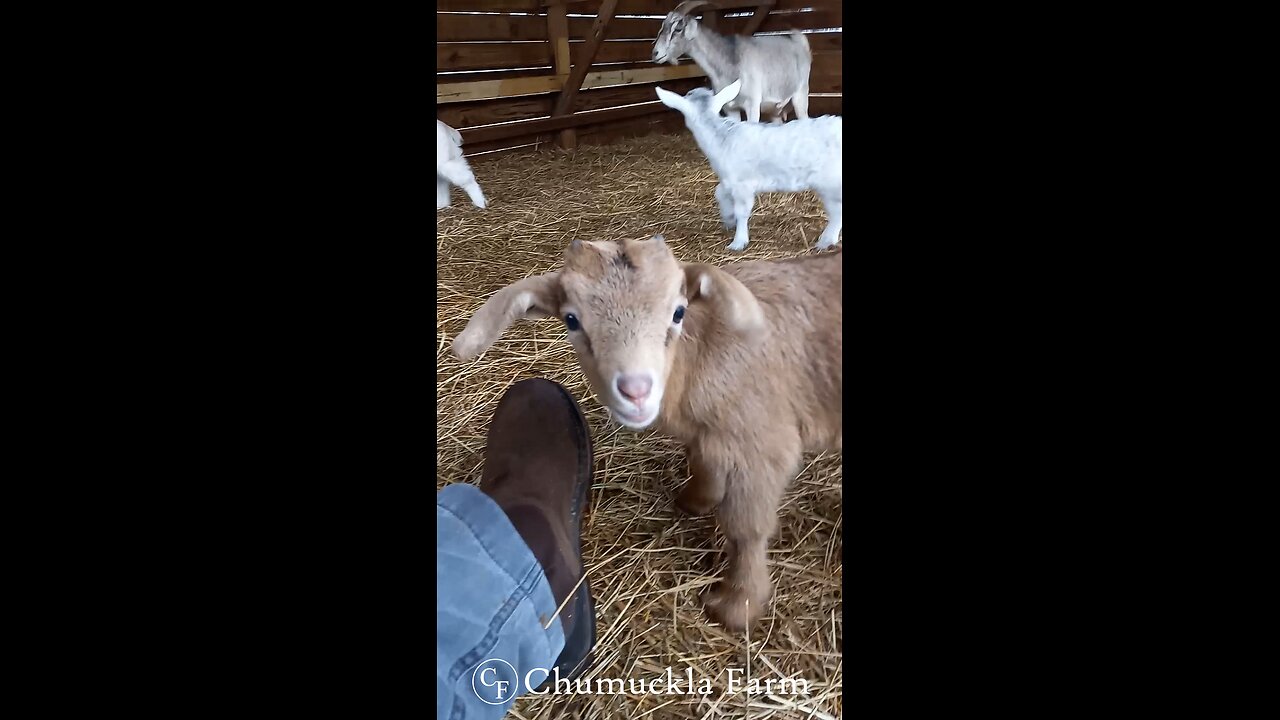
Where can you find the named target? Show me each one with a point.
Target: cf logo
(494, 681)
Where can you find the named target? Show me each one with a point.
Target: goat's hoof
(736, 246)
(734, 607)
(695, 503)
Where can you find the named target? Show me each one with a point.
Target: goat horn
(688, 5)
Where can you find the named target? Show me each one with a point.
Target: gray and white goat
(451, 167)
(774, 69)
(751, 158)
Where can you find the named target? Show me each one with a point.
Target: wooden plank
(486, 56)
(780, 22)
(757, 19)
(642, 75)
(824, 18)
(801, 4)
(825, 74)
(564, 103)
(594, 134)
(620, 28)
(526, 6)
(498, 132)
(826, 84)
(469, 28)
(609, 133)
(662, 7)
(611, 51)
(824, 106)
(825, 42)
(630, 94)
(486, 112)
(496, 147)
(485, 89)
(558, 29)
(624, 7)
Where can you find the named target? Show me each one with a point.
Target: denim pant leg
(491, 598)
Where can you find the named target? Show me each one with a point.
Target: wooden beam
(546, 125)
(564, 103)
(642, 75)
(489, 89)
(558, 31)
(757, 18)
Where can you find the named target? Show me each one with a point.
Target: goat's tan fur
(751, 377)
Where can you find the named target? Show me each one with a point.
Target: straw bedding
(647, 562)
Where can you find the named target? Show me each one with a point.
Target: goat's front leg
(833, 201)
(748, 517)
(459, 173)
(705, 489)
(743, 199)
(724, 199)
(752, 108)
(442, 192)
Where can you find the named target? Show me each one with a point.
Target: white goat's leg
(725, 200)
(742, 202)
(459, 173)
(753, 110)
(800, 101)
(442, 192)
(833, 201)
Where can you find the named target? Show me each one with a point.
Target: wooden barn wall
(498, 74)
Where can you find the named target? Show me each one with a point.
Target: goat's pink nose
(635, 387)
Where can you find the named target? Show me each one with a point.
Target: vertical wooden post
(558, 33)
(564, 103)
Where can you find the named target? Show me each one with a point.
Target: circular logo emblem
(493, 683)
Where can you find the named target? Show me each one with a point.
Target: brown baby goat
(740, 363)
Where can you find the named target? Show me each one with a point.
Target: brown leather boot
(537, 468)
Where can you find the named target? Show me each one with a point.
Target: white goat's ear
(732, 302)
(724, 96)
(532, 297)
(672, 100)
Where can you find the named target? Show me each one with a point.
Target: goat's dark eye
(571, 322)
(679, 315)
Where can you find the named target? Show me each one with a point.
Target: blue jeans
(491, 592)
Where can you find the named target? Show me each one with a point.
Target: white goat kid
(774, 69)
(451, 167)
(751, 158)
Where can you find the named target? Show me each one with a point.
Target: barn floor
(646, 562)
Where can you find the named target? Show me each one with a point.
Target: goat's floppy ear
(672, 100)
(532, 297)
(724, 96)
(732, 301)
